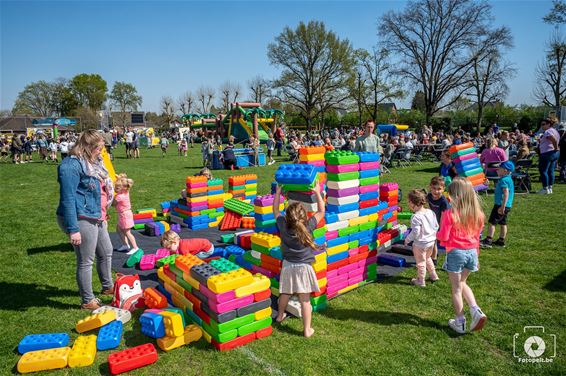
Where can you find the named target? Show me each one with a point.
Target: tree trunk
(479, 118)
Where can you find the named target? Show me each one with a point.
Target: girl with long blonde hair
(460, 228)
(298, 246)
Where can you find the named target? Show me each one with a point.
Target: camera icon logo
(535, 343)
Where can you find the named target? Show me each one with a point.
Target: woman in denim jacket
(86, 191)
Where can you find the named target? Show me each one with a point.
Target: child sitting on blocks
(504, 194)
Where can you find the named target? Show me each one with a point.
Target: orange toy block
(154, 299)
(186, 262)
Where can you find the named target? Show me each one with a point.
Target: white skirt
(297, 279)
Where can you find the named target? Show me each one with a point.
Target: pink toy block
(231, 305)
(353, 251)
(336, 169)
(356, 279)
(217, 298)
(365, 262)
(331, 274)
(337, 287)
(147, 262)
(465, 157)
(355, 273)
(369, 188)
(161, 252)
(197, 185)
(389, 187)
(338, 280)
(369, 166)
(153, 310)
(331, 235)
(348, 268)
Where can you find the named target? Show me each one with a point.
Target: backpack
(128, 293)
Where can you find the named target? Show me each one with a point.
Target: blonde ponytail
(296, 218)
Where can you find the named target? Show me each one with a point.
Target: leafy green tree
(418, 102)
(315, 63)
(125, 97)
(89, 90)
(35, 100)
(64, 102)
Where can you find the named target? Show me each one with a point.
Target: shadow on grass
(558, 283)
(20, 296)
(62, 247)
(429, 169)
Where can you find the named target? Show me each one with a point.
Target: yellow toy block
(249, 187)
(373, 217)
(260, 283)
(321, 257)
(217, 197)
(318, 266)
(274, 291)
(229, 281)
(227, 196)
(186, 262)
(191, 333)
(267, 209)
(191, 281)
(166, 225)
(173, 323)
(95, 321)
(152, 211)
(322, 282)
(206, 336)
(173, 287)
(83, 352)
(194, 200)
(181, 302)
(266, 240)
(337, 249)
(162, 277)
(349, 288)
(358, 220)
(43, 360)
(262, 314)
(311, 157)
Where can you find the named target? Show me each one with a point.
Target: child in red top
(460, 228)
(125, 215)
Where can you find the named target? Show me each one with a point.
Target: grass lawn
(384, 328)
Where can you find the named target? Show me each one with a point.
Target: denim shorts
(459, 259)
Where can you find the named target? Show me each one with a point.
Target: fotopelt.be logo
(532, 344)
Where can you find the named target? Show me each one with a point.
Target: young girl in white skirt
(297, 244)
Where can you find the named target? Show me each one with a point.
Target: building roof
(16, 124)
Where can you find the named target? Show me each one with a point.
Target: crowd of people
(20, 148)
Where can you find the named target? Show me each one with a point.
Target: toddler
(125, 215)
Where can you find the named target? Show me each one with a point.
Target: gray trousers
(95, 242)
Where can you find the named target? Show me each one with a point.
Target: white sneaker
(459, 328)
(478, 320)
(543, 191)
(123, 248)
(550, 189)
(132, 251)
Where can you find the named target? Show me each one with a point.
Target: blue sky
(168, 48)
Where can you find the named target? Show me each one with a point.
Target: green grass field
(383, 328)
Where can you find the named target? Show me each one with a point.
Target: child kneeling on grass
(460, 228)
(423, 235)
(504, 194)
(297, 244)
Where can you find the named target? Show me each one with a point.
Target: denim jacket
(79, 194)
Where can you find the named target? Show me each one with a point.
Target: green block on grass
(232, 324)
(342, 176)
(348, 230)
(353, 244)
(369, 181)
(166, 260)
(255, 326)
(368, 225)
(319, 232)
(316, 300)
(320, 307)
(220, 337)
(372, 276)
(134, 258)
(371, 268)
(227, 238)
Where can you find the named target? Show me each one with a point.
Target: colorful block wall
(243, 187)
(467, 163)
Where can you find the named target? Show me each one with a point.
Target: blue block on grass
(35, 342)
(152, 325)
(109, 336)
(391, 260)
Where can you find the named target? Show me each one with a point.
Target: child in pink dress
(125, 215)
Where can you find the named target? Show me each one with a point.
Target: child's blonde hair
(205, 172)
(417, 197)
(123, 183)
(466, 209)
(296, 218)
(168, 238)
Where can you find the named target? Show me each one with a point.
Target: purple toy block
(335, 169)
(266, 200)
(148, 261)
(143, 220)
(369, 166)
(344, 192)
(265, 272)
(175, 227)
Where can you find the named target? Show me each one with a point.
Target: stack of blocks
(263, 213)
(314, 155)
(388, 208)
(169, 327)
(204, 205)
(231, 305)
(156, 228)
(468, 164)
(265, 257)
(351, 220)
(143, 216)
(243, 187)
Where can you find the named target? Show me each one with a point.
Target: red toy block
(337, 264)
(262, 295)
(240, 341)
(321, 274)
(248, 222)
(265, 332)
(132, 358)
(369, 203)
(143, 216)
(231, 221)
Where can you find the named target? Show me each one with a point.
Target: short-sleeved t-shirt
(293, 250)
(545, 143)
(505, 182)
(437, 206)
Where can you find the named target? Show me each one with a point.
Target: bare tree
(168, 108)
(557, 15)
(551, 74)
(315, 64)
(259, 88)
(434, 47)
(230, 93)
(205, 95)
(357, 88)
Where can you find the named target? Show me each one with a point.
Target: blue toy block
(276, 252)
(468, 167)
(199, 227)
(295, 174)
(251, 181)
(369, 196)
(382, 205)
(193, 316)
(109, 336)
(331, 217)
(364, 241)
(264, 217)
(165, 205)
(320, 241)
(273, 187)
(220, 209)
(366, 156)
(216, 192)
(235, 250)
(387, 216)
(337, 257)
(166, 293)
(34, 342)
(218, 251)
(242, 262)
(391, 260)
(152, 325)
(336, 241)
(343, 208)
(369, 173)
(468, 162)
(268, 230)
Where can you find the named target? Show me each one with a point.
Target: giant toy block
(263, 213)
(83, 352)
(243, 187)
(35, 342)
(43, 360)
(468, 164)
(132, 358)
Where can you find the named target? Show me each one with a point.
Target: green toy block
(320, 307)
(260, 248)
(232, 324)
(179, 311)
(389, 226)
(144, 209)
(319, 232)
(316, 300)
(369, 181)
(232, 258)
(227, 238)
(462, 152)
(267, 223)
(252, 260)
(213, 182)
(353, 244)
(372, 276)
(208, 211)
(473, 172)
(238, 187)
(166, 260)
(299, 187)
(139, 226)
(368, 225)
(340, 157)
(178, 272)
(238, 206)
(348, 230)
(274, 283)
(182, 215)
(215, 214)
(342, 176)
(254, 326)
(404, 215)
(372, 246)
(224, 265)
(220, 337)
(371, 268)
(134, 258)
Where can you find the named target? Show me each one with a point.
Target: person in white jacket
(424, 227)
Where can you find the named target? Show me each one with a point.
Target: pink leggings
(424, 263)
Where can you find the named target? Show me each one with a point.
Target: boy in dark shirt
(438, 203)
